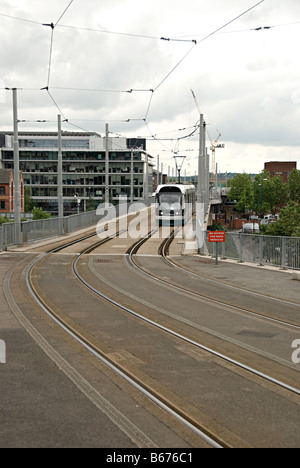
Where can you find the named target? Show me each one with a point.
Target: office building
(84, 177)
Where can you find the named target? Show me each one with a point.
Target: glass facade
(53, 143)
(83, 172)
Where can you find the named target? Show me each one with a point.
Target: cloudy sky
(106, 62)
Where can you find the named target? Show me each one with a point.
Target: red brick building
(7, 187)
(283, 169)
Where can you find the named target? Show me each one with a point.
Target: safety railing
(32, 231)
(7, 235)
(282, 252)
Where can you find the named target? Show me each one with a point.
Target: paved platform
(267, 280)
(39, 405)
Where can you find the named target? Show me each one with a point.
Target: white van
(250, 228)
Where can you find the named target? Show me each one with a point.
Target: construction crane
(214, 144)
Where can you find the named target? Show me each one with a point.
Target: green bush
(39, 213)
(4, 219)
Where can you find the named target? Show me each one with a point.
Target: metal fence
(282, 252)
(7, 235)
(32, 231)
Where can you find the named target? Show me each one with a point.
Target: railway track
(163, 251)
(77, 335)
(210, 436)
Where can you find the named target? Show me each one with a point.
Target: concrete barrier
(296, 276)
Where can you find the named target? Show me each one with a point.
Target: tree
(28, 202)
(288, 224)
(91, 204)
(242, 192)
(264, 195)
(294, 186)
(279, 194)
(39, 213)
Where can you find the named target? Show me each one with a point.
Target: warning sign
(217, 236)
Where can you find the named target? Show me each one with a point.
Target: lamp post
(78, 201)
(260, 195)
(260, 199)
(254, 198)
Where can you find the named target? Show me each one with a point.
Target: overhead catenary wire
(63, 14)
(50, 57)
(195, 45)
(204, 39)
(53, 26)
(165, 78)
(144, 36)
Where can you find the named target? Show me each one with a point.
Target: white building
(130, 168)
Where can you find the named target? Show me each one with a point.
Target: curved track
(275, 302)
(167, 397)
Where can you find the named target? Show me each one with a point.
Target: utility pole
(201, 166)
(205, 198)
(106, 165)
(217, 178)
(17, 197)
(206, 177)
(146, 195)
(131, 178)
(60, 180)
(201, 186)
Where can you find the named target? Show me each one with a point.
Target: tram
(174, 204)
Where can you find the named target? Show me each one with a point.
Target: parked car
(268, 219)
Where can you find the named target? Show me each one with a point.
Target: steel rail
(204, 433)
(162, 402)
(163, 251)
(194, 343)
(153, 396)
(229, 286)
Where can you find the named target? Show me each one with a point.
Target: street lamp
(78, 201)
(179, 161)
(260, 201)
(260, 196)
(254, 205)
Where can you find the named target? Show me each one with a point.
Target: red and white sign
(217, 236)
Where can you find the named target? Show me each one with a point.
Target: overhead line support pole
(17, 197)
(106, 165)
(60, 179)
